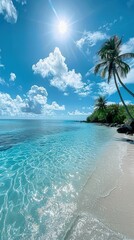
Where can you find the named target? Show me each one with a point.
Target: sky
(48, 50)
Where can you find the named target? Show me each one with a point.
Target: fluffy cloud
(55, 68)
(130, 77)
(12, 77)
(85, 91)
(34, 102)
(8, 10)
(9, 106)
(91, 38)
(128, 46)
(106, 89)
(55, 106)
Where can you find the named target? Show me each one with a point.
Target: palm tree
(101, 103)
(101, 106)
(112, 64)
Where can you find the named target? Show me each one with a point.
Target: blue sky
(46, 70)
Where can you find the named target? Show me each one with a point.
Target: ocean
(44, 166)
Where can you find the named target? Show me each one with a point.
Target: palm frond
(119, 42)
(122, 68)
(101, 103)
(126, 55)
(104, 71)
(99, 66)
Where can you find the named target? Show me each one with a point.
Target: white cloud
(1, 65)
(55, 106)
(106, 89)
(91, 38)
(128, 47)
(110, 103)
(36, 99)
(34, 102)
(85, 91)
(78, 113)
(127, 102)
(12, 76)
(130, 77)
(66, 93)
(90, 72)
(2, 81)
(55, 68)
(8, 9)
(9, 106)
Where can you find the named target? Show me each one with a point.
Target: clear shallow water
(43, 167)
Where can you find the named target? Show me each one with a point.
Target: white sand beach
(106, 205)
(117, 209)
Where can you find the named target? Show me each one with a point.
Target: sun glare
(63, 27)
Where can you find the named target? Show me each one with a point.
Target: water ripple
(41, 174)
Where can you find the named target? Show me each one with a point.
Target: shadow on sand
(131, 141)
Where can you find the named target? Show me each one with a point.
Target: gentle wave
(87, 227)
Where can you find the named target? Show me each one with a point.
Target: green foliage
(112, 114)
(112, 66)
(115, 114)
(101, 103)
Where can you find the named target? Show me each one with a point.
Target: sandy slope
(117, 209)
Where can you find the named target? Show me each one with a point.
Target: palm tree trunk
(129, 114)
(123, 85)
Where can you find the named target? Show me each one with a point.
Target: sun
(63, 27)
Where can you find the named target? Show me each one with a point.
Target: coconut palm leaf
(126, 55)
(99, 66)
(104, 72)
(112, 64)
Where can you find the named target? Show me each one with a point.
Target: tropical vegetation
(112, 114)
(112, 65)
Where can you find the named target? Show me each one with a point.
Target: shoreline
(106, 204)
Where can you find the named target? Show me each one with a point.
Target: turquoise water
(43, 167)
